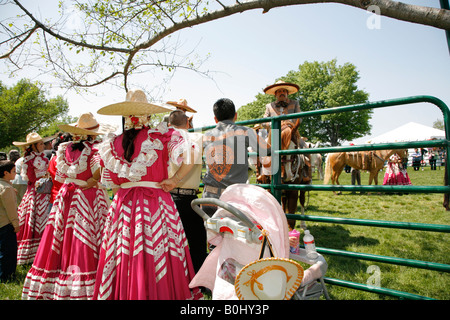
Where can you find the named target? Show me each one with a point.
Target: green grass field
(408, 244)
(417, 245)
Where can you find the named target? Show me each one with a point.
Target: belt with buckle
(214, 190)
(184, 192)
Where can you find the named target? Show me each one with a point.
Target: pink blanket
(260, 206)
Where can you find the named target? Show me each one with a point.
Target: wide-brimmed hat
(290, 87)
(269, 279)
(86, 125)
(50, 138)
(182, 104)
(135, 104)
(32, 137)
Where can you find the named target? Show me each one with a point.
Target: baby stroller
(246, 218)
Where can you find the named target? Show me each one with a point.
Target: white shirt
(192, 179)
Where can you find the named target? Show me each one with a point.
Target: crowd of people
(142, 242)
(396, 173)
(100, 215)
(434, 154)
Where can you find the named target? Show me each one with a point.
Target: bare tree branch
(116, 32)
(28, 35)
(63, 38)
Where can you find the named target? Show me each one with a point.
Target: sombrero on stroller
(241, 265)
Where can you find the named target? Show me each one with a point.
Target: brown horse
(372, 161)
(295, 169)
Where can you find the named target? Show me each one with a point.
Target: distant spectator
(14, 155)
(416, 159)
(433, 154)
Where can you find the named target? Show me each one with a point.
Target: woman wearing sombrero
(144, 254)
(66, 262)
(32, 210)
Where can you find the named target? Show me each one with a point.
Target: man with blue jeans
(226, 152)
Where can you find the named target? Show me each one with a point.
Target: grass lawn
(408, 244)
(417, 245)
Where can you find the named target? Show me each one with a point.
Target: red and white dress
(395, 174)
(66, 262)
(32, 210)
(144, 253)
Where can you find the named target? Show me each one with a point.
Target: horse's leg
(291, 206)
(302, 207)
(337, 172)
(283, 201)
(320, 171)
(373, 177)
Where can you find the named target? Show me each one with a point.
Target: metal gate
(276, 188)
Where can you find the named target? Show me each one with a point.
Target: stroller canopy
(262, 208)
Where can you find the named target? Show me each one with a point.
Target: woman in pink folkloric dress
(144, 253)
(395, 173)
(32, 210)
(66, 262)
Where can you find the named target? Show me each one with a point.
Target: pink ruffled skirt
(144, 254)
(66, 262)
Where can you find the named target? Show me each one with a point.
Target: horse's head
(402, 153)
(289, 133)
(290, 139)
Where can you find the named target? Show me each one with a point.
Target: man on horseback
(297, 167)
(283, 105)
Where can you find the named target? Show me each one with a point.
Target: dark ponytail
(29, 150)
(128, 143)
(80, 145)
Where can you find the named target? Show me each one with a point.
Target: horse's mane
(286, 135)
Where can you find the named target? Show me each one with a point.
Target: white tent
(409, 132)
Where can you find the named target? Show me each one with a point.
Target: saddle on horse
(364, 160)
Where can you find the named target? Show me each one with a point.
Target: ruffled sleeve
(89, 159)
(137, 168)
(34, 167)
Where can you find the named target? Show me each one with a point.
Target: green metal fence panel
(374, 223)
(374, 289)
(276, 185)
(386, 259)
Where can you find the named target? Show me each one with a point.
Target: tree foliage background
(322, 85)
(25, 108)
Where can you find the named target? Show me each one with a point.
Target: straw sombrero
(32, 137)
(86, 125)
(269, 279)
(48, 139)
(182, 104)
(135, 104)
(290, 87)
(258, 126)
